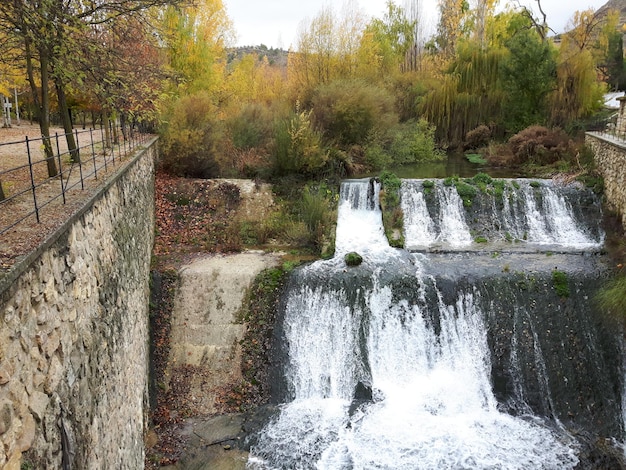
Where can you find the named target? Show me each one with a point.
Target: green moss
(535, 184)
(480, 240)
(559, 281)
(353, 259)
(466, 192)
(393, 217)
(428, 184)
(482, 178)
(451, 180)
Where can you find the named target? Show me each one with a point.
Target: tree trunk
(42, 106)
(66, 119)
(2, 196)
(107, 130)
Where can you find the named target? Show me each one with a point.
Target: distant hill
(619, 5)
(275, 57)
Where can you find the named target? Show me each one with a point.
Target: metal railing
(608, 128)
(27, 188)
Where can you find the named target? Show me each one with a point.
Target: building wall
(74, 335)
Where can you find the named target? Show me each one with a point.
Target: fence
(38, 181)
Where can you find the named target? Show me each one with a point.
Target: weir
(453, 353)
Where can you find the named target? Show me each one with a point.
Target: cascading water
(388, 369)
(533, 215)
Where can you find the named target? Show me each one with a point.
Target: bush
(414, 142)
(377, 158)
(542, 146)
(190, 138)
(478, 137)
(252, 127)
(298, 147)
(316, 214)
(348, 112)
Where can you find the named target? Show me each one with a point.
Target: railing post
(93, 155)
(56, 136)
(112, 142)
(32, 179)
(104, 148)
(80, 165)
(123, 140)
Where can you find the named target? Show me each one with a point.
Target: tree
(393, 36)
(194, 39)
(578, 92)
(451, 26)
(328, 48)
(46, 31)
(526, 94)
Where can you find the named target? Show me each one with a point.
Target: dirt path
(56, 200)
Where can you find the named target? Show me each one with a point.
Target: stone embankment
(74, 335)
(610, 158)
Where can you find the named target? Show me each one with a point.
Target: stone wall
(610, 158)
(73, 335)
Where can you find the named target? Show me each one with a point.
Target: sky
(275, 23)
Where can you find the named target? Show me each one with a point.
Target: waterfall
(518, 215)
(387, 368)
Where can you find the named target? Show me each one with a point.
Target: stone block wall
(74, 335)
(610, 158)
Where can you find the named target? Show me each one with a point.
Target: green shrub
(349, 111)
(376, 157)
(414, 142)
(428, 184)
(451, 180)
(252, 127)
(298, 147)
(190, 137)
(466, 192)
(316, 214)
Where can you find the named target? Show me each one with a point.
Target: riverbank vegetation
(353, 95)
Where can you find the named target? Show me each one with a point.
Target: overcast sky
(275, 22)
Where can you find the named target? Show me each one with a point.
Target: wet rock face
(552, 355)
(73, 329)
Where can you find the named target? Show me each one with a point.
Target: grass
(612, 297)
